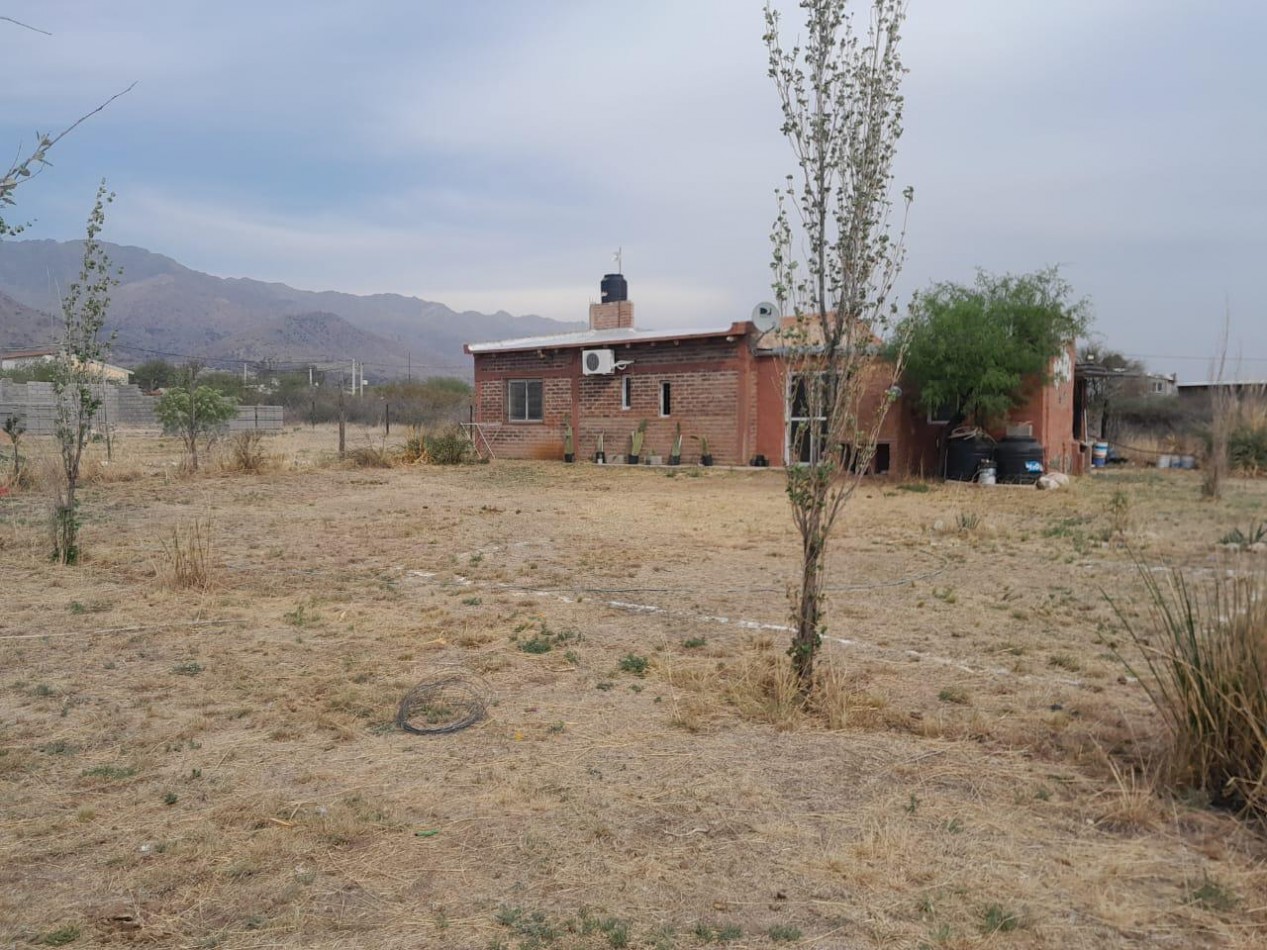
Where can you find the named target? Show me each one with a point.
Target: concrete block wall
(264, 418)
(122, 406)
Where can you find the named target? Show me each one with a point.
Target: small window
(523, 400)
(941, 415)
(666, 399)
(626, 392)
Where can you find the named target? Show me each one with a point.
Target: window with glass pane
(807, 417)
(523, 400)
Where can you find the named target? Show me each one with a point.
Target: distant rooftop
(1206, 384)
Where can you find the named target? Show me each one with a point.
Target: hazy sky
(491, 154)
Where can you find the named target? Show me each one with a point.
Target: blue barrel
(1100, 455)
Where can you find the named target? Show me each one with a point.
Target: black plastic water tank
(1020, 460)
(614, 288)
(964, 456)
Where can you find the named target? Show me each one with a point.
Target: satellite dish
(764, 316)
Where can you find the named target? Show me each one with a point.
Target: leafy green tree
(196, 413)
(78, 379)
(835, 260)
(155, 374)
(972, 349)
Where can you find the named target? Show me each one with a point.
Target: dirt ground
(219, 766)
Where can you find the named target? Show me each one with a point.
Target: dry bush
(415, 447)
(246, 453)
(99, 471)
(450, 447)
(186, 556)
(1205, 670)
(1247, 440)
(371, 456)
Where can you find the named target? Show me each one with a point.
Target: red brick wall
(719, 390)
(611, 315)
(712, 390)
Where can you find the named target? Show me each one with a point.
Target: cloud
(497, 152)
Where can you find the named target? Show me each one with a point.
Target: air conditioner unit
(598, 362)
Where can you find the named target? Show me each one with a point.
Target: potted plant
(705, 457)
(635, 442)
(568, 454)
(675, 454)
(600, 457)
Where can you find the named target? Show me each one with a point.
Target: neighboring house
(725, 382)
(21, 359)
(1200, 392)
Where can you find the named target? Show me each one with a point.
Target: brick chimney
(616, 309)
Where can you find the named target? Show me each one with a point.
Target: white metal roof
(593, 338)
(1223, 382)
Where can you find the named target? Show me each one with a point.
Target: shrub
(246, 452)
(1247, 450)
(451, 447)
(1205, 660)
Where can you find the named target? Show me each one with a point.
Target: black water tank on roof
(614, 288)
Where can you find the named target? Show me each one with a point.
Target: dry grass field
(198, 745)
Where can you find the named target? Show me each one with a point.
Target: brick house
(725, 382)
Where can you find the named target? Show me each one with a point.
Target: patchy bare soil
(194, 767)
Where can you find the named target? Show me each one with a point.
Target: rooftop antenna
(617, 257)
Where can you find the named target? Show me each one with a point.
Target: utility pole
(343, 419)
(310, 376)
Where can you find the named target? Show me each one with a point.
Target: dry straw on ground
(221, 767)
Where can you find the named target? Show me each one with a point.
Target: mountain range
(162, 309)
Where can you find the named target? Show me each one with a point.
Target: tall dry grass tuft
(1205, 670)
(186, 556)
(762, 686)
(830, 700)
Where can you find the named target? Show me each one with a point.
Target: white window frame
(626, 392)
(666, 399)
(528, 418)
(816, 433)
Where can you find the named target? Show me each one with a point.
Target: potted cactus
(568, 454)
(600, 457)
(675, 454)
(705, 456)
(635, 442)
